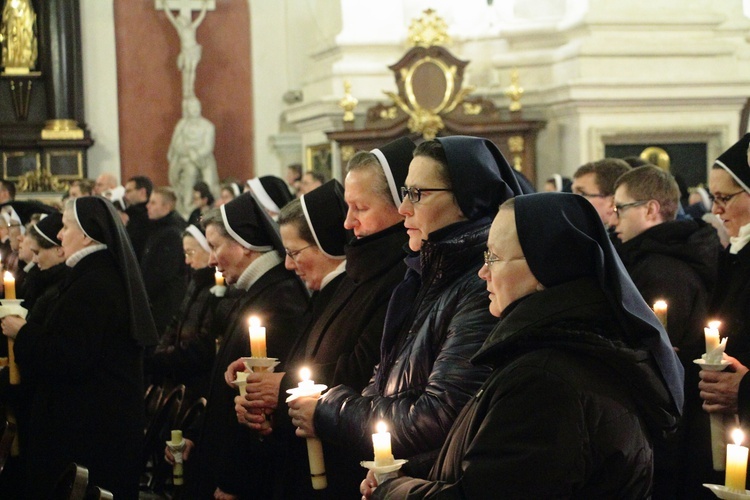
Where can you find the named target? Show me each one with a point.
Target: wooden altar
(433, 102)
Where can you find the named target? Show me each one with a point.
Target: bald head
(104, 182)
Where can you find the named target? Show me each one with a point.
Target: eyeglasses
(189, 253)
(590, 195)
(723, 200)
(490, 258)
(293, 255)
(621, 208)
(415, 194)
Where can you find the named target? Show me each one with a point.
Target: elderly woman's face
(435, 209)
(735, 213)
(195, 256)
(508, 275)
(71, 235)
(310, 264)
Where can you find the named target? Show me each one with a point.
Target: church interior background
(598, 78)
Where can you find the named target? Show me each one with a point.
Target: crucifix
(186, 26)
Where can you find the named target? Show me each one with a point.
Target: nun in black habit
(246, 247)
(89, 350)
(584, 378)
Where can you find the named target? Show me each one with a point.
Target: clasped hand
(719, 389)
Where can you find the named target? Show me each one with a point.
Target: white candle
(257, 338)
(306, 388)
(219, 278)
(381, 443)
(177, 446)
(736, 462)
(10, 285)
(712, 335)
(660, 309)
(306, 385)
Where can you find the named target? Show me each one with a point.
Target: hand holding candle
(736, 462)
(308, 388)
(176, 447)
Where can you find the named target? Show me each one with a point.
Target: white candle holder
(177, 469)
(384, 472)
(725, 493)
(218, 290)
(260, 364)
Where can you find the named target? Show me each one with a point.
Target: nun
(186, 351)
(230, 459)
(437, 316)
(88, 348)
(728, 392)
(49, 257)
(584, 380)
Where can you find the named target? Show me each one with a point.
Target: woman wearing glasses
(437, 318)
(729, 186)
(584, 378)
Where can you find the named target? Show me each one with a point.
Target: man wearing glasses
(595, 181)
(675, 261)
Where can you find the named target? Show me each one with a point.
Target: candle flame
(254, 322)
(304, 374)
(738, 436)
(8, 275)
(381, 427)
(714, 324)
(660, 304)
(218, 275)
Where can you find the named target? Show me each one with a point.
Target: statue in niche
(17, 35)
(191, 154)
(190, 50)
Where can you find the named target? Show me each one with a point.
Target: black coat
(566, 413)
(430, 377)
(138, 227)
(88, 406)
(676, 261)
(186, 351)
(163, 268)
(229, 455)
(342, 347)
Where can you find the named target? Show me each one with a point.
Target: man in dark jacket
(230, 459)
(137, 193)
(675, 261)
(163, 261)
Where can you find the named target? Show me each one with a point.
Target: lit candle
(305, 384)
(736, 462)
(257, 338)
(712, 335)
(381, 443)
(10, 285)
(660, 309)
(219, 278)
(308, 388)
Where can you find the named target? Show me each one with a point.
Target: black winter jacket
(567, 412)
(432, 376)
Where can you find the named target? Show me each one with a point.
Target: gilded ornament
(516, 145)
(514, 92)
(389, 113)
(428, 30)
(348, 102)
(347, 152)
(472, 109)
(17, 37)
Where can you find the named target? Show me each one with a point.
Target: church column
(61, 59)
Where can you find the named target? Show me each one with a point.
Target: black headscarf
(394, 159)
(736, 161)
(49, 227)
(99, 220)
(563, 239)
(250, 226)
(22, 211)
(271, 191)
(480, 176)
(325, 211)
